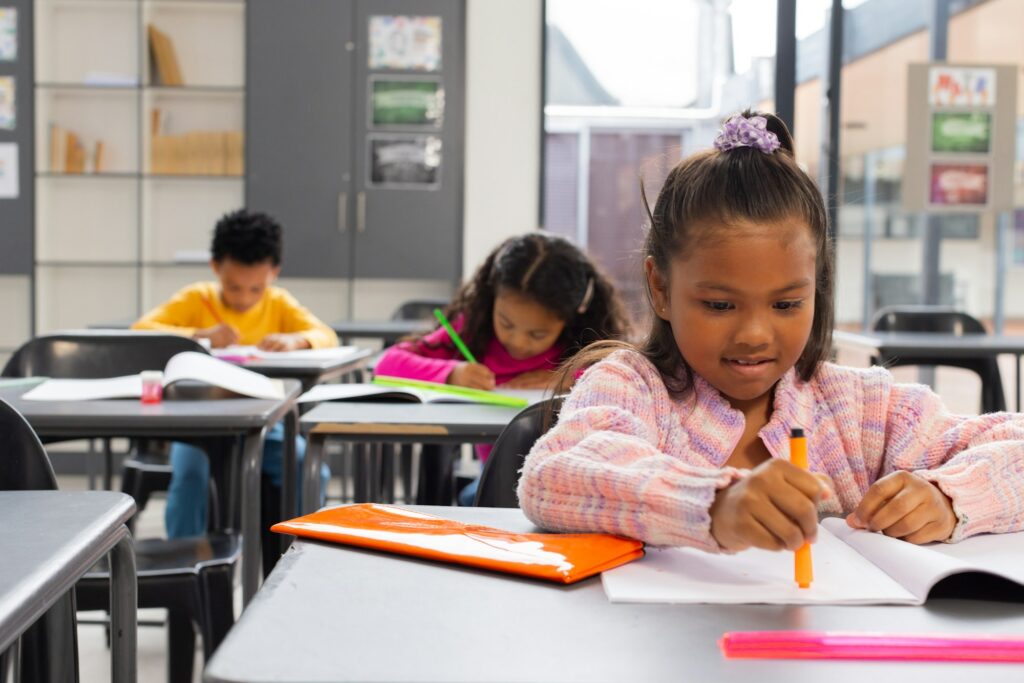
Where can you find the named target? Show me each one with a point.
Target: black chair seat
(178, 556)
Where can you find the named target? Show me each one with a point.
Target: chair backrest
(418, 309)
(89, 354)
(24, 465)
(942, 319)
(501, 473)
(926, 319)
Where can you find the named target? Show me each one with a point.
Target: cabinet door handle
(361, 212)
(343, 212)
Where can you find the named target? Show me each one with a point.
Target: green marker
(454, 335)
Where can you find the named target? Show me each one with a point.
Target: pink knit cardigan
(628, 458)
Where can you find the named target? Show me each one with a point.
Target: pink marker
(871, 646)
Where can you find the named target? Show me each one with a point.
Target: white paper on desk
(201, 367)
(338, 353)
(851, 567)
(129, 386)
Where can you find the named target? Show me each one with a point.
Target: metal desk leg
(123, 606)
(252, 560)
(290, 471)
(1016, 406)
(311, 472)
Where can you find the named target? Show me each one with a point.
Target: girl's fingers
(911, 523)
(878, 494)
(893, 510)
(799, 510)
(929, 533)
(787, 533)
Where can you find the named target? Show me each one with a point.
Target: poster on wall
(8, 170)
(405, 42)
(7, 109)
(950, 86)
(958, 184)
(406, 102)
(8, 34)
(405, 161)
(957, 131)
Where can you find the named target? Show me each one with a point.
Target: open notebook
(248, 354)
(188, 365)
(851, 567)
(397, 389)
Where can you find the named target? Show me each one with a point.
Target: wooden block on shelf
(99, 160)
(161, 48)
(57, 153)
(74, 158)
(234, 144)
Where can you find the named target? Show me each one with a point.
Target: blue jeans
(468, 493)
(190, 476)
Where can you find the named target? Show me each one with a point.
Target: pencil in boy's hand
(803, 571)
(213, 311)
(454, 335)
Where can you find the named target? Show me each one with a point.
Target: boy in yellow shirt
(243, 307)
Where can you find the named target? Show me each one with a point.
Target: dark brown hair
(723, 187)
(551, 271)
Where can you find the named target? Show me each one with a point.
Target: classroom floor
(959, 388)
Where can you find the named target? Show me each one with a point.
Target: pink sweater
(416, 360)
(626, 457)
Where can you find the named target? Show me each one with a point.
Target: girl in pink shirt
(683, 441)
(532, 304)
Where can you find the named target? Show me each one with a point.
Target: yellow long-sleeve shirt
(277, 312)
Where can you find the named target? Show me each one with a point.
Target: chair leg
(218, 600)
(181, 646)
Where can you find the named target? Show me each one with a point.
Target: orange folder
(562, 558)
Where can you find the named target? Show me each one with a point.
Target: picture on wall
(961, 132)
(406, 102)
(7, 103)
(959, 184)
(8, 34)
(950, 86)
(405, 161)
(405, 42)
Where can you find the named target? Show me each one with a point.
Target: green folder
(474, 395)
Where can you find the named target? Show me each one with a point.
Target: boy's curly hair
(247, 238)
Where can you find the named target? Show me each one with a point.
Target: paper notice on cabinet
(8, 170)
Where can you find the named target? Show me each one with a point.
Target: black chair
(191, 577)
(49, 647)
(948, 321)
(418, 309)
(500, 477)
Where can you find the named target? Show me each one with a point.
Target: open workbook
(400, 389)
(851, 567)
(188, 365)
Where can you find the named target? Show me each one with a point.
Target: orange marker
(803, 571)
(213, 311)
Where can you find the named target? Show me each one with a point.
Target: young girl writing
(683, 441)
(534, 301)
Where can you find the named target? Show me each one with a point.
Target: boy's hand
(219, 335)
(775, 508)
(472, 375)
(534, 379)
(283, 342)
(903, 505)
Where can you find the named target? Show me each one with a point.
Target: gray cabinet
(361, 195)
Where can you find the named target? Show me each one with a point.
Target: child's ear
(657, 284)
(215, 267)
(274, 273)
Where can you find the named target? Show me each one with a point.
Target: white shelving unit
(113, 241)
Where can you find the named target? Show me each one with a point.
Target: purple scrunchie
(740, 131)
